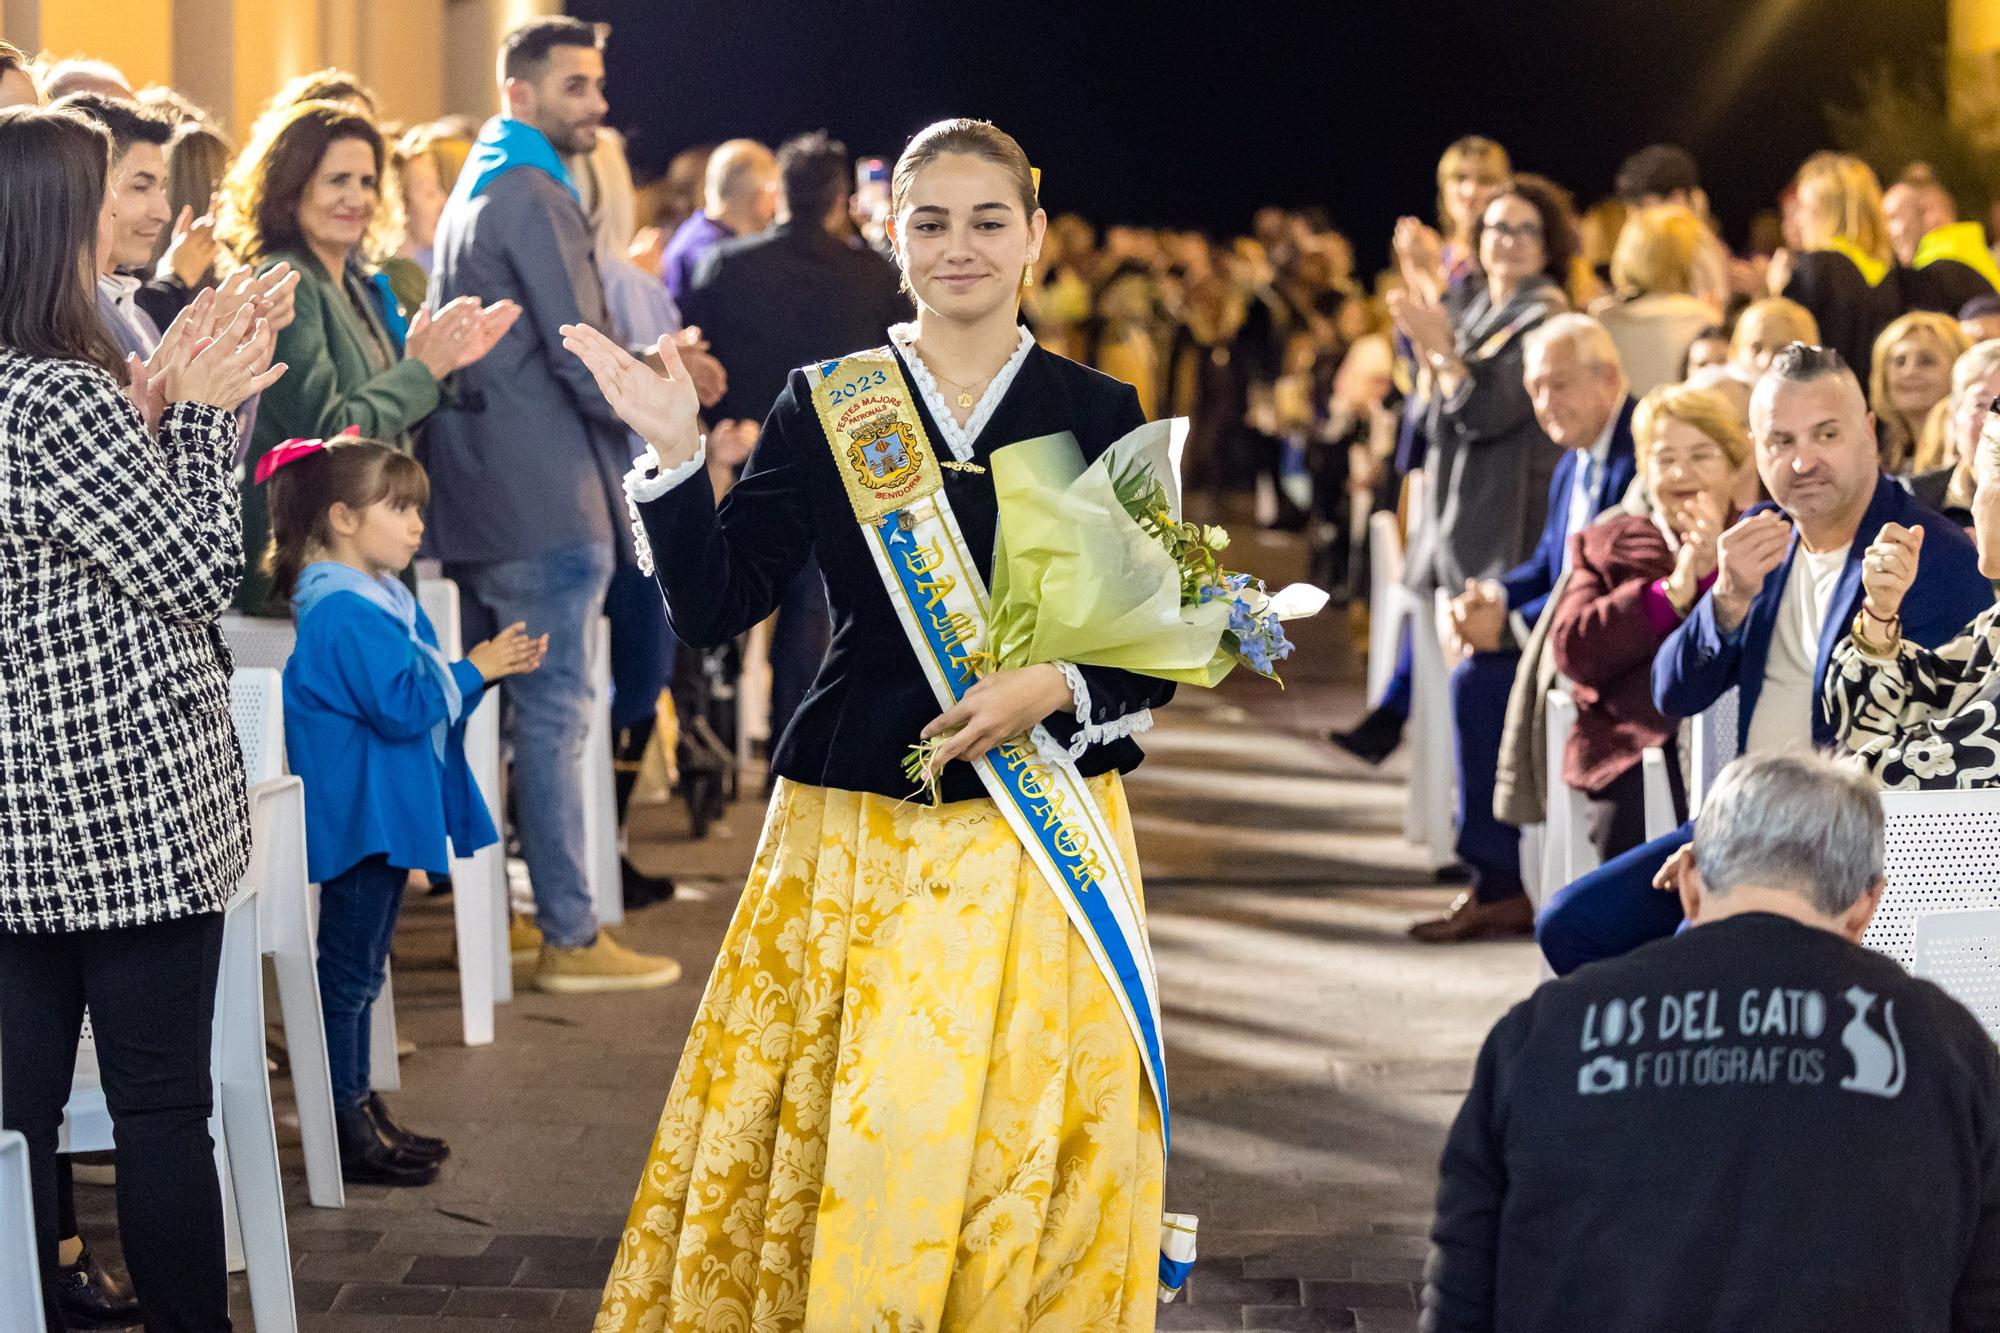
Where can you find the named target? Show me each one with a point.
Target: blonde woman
(1910, 375)
(424, 166)
(1469, 174)
(1633, 578)
(1766, 326)
(1652, 313)
(1943, 477)
(1844, 270)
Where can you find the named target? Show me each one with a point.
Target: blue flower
(1238, 582)
(1241, 622)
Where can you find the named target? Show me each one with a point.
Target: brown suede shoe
(1470, 919)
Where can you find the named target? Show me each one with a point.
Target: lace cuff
(646, 482)
(1090, 733)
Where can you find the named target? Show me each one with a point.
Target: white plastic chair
(479, 881)
(1960, 951)
(1387, 606)
(602, 857)
(242, 1123)
(1428, 818)
(285, 922)
(1567, 849)
(1659, 793)
(1941, 854)
(20, 1268)
(1711, 747)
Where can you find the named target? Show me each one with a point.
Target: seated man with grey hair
(1577, 391)
(1754, 1124)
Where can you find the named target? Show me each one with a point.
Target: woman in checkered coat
(122, 818)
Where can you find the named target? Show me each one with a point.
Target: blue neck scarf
(386, 305)
(323, 578)
(503, 145)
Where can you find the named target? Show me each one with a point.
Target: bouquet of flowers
(1093, 564)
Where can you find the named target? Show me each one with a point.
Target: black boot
(366, 1158)
(91, 1298)
(642, 889)
(1374, 738)
(421, 1147)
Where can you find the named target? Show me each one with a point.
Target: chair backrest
(1387, 602)
(1960, 951)
(439, 598)
(1941, 854)
(257, 707)
(1712, 747)
(1568, 852)
(20, 1271)
(259, 641)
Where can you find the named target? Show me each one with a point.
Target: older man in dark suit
(1578, 391)
(1788, 586)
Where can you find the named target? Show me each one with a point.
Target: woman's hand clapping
(205, 360)
(1698, 525)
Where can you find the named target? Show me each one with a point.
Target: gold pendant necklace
(965, 399)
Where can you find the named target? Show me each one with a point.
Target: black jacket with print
(1754, 1125)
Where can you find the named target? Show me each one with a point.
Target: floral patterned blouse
(1922, 719)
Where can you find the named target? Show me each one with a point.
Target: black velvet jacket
(724, 569)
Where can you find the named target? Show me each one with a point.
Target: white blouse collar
(959, 439)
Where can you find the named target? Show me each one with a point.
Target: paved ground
(1316, 1055)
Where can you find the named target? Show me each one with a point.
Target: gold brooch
(957, 466)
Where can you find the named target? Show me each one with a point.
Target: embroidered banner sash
(896, 485)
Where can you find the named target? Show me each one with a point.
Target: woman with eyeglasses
(1489, 463)
(1633, 577)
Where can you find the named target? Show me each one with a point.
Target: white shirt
(1783, 718)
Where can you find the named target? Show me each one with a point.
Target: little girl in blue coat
(375, 729)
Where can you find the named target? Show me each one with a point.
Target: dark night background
(1185, 116)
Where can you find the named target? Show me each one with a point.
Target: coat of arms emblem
(884, 455)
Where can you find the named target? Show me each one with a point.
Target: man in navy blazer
(1787, 589)
(1578, 390)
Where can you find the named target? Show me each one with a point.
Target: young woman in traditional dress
(911, 1099)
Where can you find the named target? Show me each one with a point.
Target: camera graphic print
(1756, 1036)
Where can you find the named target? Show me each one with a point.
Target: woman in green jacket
(307, 192)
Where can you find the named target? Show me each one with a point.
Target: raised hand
(509, 653)
(1888, 568)
(488, 327)
(229, 366)
(274, 294)
(1699, 525)
(1424, 322)
(192, 251)
(439, 339)
(1744, 556)
(661, 407)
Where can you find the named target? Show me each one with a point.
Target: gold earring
(1028, 276)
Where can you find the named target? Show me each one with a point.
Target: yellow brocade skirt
(909, 1103)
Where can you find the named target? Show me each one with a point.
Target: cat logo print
(1878, 1058)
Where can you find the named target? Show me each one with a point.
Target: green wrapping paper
(1076, 579)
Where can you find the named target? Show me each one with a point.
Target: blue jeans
(559, 593)
(357, 919)
(1612, 910)
(1479, 689)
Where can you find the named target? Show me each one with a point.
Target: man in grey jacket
(527, 466)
